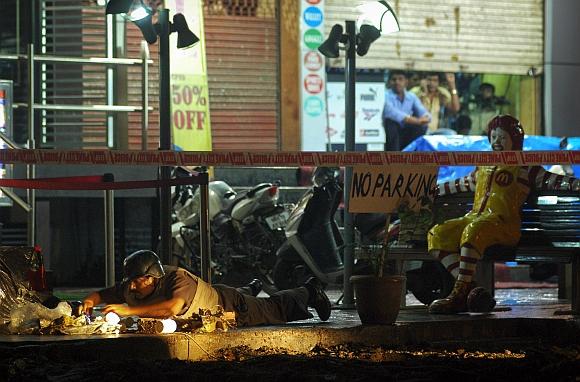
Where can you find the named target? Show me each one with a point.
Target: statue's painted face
(500, 140)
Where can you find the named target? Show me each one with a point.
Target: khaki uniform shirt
(177, 282)
(435, 106)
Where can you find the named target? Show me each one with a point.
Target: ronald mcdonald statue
(500, 192)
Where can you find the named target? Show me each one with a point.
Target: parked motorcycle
(246, 229)
(314, 245)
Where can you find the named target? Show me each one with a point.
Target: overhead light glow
(138, 14)
(378, 14)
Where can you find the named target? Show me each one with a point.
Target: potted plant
(378, 295)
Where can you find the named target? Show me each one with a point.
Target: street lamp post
(349, 141)
(375, 18)
(164, 133)
(141, 15)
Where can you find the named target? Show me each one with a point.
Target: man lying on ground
(152, 290)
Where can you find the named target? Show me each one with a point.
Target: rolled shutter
(242, 66)
(77, 29)
(476, 36)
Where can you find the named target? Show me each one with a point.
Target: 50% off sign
(189, 106)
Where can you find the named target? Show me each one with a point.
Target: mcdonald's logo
(504, 178)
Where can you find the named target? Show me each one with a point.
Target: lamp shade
(145, 24)
(185, 37)
(367, 35)
(329, 48)
(380, 15)
(115, 7)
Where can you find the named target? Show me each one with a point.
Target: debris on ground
(338, 363)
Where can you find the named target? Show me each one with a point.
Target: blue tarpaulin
(480, 143)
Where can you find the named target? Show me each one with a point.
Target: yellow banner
(384, 189)
(190, 114)
(191, 127)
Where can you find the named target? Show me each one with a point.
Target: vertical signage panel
(189, 88)
(313, 77)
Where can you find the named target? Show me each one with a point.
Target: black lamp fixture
(329, 48)
(142, 16)
(366, 36)
(185, 37)
(375, 18)
(118, 6)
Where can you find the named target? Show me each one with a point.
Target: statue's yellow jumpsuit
(495, 218)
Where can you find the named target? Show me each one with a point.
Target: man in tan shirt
(152, 290)
(438, 100)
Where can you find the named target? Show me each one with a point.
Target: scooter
(314, 242)
(314, 245)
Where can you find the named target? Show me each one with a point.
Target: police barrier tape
(278, 158)
(99, 182)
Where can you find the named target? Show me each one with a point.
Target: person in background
(404, 116)
(439, 101)
(152, 290)
(500, 192)
(483, 106)
(414, 79)
(462, 125)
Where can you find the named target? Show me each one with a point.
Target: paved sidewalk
(523, 316)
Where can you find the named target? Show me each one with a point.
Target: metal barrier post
(31, 168)
(204, 239)
(109, 234)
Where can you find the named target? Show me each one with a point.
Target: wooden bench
(550, 233)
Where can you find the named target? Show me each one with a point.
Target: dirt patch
(340, 363)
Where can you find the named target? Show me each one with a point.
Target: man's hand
(88, 306)
(420, 121)
(90, 301)
(450, 78)
(120, 309)
(423, 120)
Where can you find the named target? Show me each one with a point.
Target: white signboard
(384, 189)
(313, 76)
(370, 98)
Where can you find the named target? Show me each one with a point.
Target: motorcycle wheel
(430, 282)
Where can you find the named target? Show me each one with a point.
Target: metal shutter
(477, 36)
(73, 28)
(78, 29)
(242, 67)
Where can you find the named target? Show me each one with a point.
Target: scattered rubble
(340, 363)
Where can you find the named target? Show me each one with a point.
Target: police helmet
(142, 263)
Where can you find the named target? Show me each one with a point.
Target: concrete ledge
(295, 340)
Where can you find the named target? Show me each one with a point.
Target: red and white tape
(98, 182)
(289, 159)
